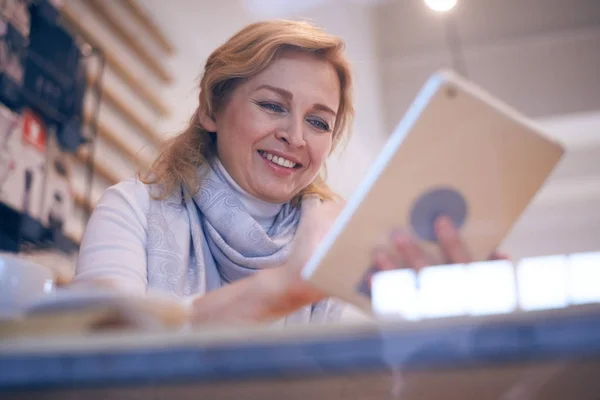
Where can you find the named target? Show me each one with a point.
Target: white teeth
(278, 160)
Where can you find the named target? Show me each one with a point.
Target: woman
(233, 208)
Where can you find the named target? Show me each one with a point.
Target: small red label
(34, 130)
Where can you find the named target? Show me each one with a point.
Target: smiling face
(275, 130)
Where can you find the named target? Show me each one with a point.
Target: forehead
(306, 76)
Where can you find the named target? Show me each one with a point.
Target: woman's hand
(294, 292)
(407, 253)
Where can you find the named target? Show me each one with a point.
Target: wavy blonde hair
(244, 55)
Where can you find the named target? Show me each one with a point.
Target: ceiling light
(441, 5)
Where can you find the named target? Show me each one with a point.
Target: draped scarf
(199, 243)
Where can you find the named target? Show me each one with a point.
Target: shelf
(129, 77)
(116, 140)
(81, 201)
(148, 24)
(17, 228)
(101, 169)
(116, 102)
(107, 13)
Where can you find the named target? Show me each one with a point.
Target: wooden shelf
(74, 237)
(148, 24)
(80, 201)
(101, 169)
(107, 13)
(114, 63)
(138, 122)
(115, 101)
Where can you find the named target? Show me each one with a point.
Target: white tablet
(458, 151)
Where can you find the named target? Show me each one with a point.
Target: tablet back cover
(458, 151)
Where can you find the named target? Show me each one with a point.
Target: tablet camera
(433, 204)
(451, 92)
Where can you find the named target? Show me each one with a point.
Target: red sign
(34, 130)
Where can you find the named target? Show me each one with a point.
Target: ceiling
(540, 56)
(408, 27)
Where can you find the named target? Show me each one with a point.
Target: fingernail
(445, 223)
(400, 235)
(398, 232)
(377, 252)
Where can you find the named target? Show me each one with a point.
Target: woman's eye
(272, 107)
(319, 124)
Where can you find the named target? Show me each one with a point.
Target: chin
(273, 196)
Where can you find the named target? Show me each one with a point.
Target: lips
(280, 160)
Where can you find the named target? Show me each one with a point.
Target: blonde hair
(244, 55)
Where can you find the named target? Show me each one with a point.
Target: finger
(384, 261)
(496, 255)
(409, 250)
(450, 242)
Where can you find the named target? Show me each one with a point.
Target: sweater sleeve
(113, 249)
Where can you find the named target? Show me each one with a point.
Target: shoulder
(128, 200)
(134, 198)
(131, 192)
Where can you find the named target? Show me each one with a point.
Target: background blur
(540, 56)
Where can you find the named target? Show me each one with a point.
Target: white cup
(21, 283)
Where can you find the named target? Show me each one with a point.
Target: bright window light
(441, 5)
(542, 282)
(442, 291)
(492, 288)
(394, 293)
(584, 278)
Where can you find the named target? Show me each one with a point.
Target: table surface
(253, 361)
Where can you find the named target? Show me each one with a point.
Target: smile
(281, 161)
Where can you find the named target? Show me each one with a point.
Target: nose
(292, 133)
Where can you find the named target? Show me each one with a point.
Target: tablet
(458, 151)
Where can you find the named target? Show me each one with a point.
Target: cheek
(319, 150)
(247, 127)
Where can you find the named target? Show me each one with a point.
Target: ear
(208, 123)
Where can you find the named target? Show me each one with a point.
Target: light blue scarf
(201, 243)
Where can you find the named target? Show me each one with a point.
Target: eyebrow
(288, 95)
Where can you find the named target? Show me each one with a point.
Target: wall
(565, 215)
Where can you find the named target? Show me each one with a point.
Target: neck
(262, 211)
